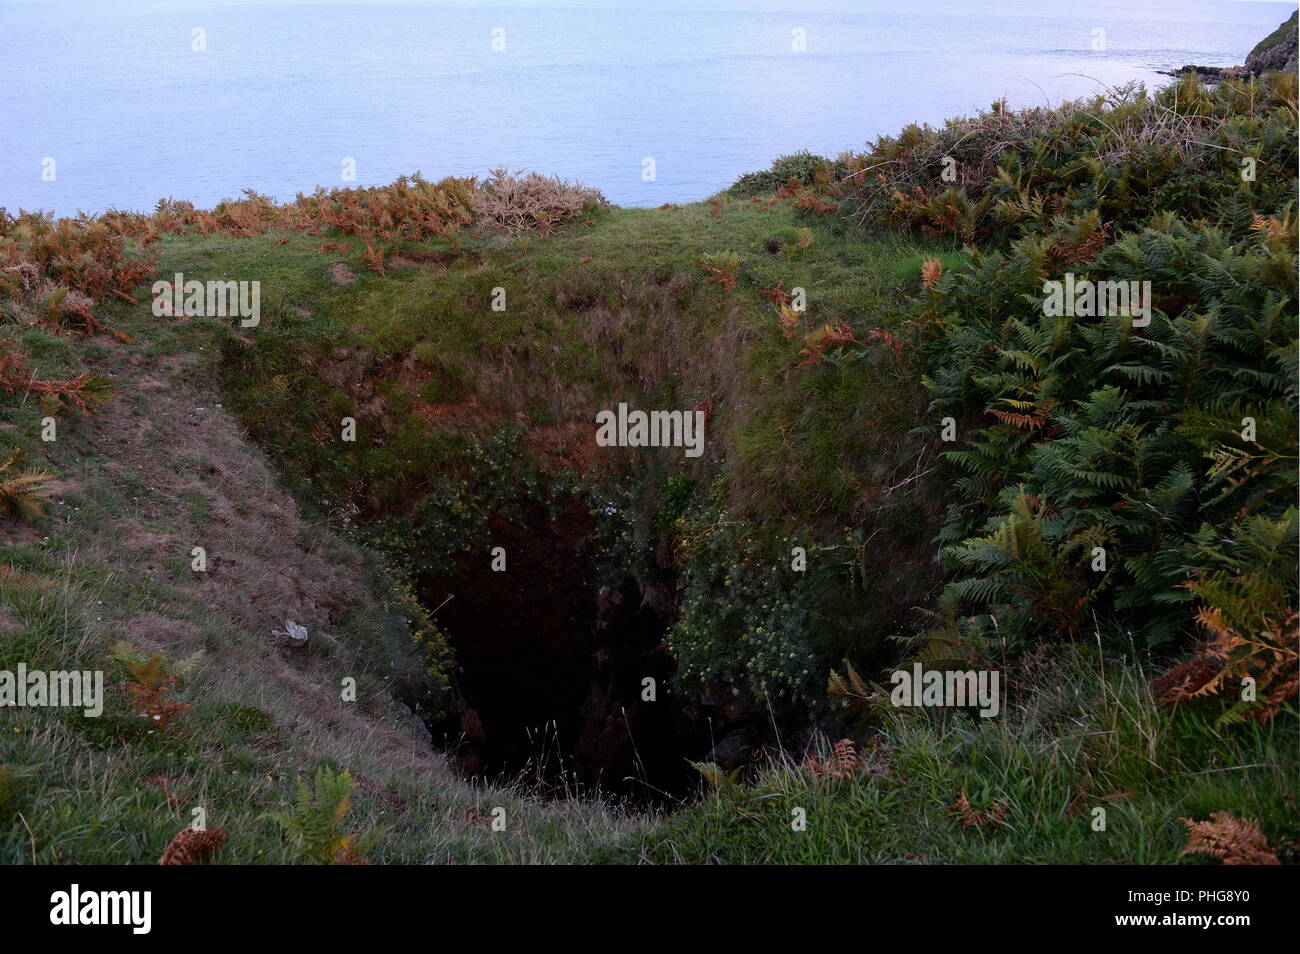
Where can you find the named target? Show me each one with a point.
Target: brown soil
(340, 274)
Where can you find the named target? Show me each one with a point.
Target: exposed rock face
(1212, 74)
(1277, 51)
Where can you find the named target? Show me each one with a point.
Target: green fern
(317, 814)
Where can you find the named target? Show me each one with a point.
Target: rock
(1277, 51)
(295, 636)
(735, 748)
(292, 635)
(1211, 74)
(324, 642)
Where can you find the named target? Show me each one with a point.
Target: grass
(1089, 738)
(227, 438)
(593, 312)
(139, 484)
(613, 311)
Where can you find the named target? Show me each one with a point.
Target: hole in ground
(550, 670)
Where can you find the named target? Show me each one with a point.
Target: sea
(118, 103)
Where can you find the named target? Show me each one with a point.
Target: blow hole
(548, 685)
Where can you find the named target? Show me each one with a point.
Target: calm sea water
(114, 92)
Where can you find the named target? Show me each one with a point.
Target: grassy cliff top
(884, 390)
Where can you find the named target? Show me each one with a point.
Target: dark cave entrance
(550, 670)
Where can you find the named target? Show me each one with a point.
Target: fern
(152, 678)
(23, 493)
(314, 822)
(1106, 437)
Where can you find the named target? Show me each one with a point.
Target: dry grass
(517, 202)
(84, 260)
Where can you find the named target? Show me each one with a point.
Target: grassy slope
(165, 467)
(636, 321)
(1277, 36)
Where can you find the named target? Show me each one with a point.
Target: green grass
(140, 484)
(635, 320)
(76, 788)
(1090, 738)
(422, 361)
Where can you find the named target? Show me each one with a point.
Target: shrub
(1107, 437)
(1251, 623)
(85, 392)
(1234, 841)
(723, 269)
(22, 493)
(113, 253)
(799, 168)
(516, 202)
(1123, 155)
(152, 677)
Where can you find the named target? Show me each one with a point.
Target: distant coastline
(1277, 51)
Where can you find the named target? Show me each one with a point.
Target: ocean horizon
(199, 101)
